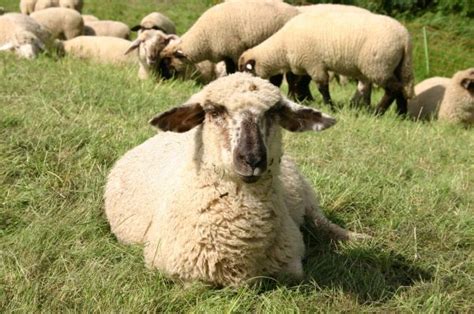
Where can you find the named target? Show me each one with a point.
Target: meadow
(64, 122)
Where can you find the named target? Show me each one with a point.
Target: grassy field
(63, 123)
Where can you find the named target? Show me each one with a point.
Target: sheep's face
(173, 60)
(150, 44)
(467, 81)
(248, 63)
(241, 130)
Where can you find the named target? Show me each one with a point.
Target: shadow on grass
(372, 274)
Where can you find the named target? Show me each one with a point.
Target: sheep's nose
(257, 162)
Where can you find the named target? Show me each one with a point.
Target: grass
(63, 123)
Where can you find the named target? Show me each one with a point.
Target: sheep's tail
(405, 70)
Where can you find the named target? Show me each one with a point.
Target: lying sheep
(62, 23)
(156, 21)
(368, 47)
(226, 30)
(89, 18)
(23, 35)
(428, 96)
(107, 28)
(101, 49)
(458, 101)
(212, 197)
(68, 4)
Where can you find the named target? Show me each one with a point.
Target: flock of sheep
(213, 197)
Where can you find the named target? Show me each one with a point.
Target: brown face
(245, 137)
(468, 82)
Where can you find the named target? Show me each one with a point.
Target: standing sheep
(107, 28)
(156, 21)
(212, 197)
(226, 30)
(458, 101)
(428, 96)
(368, 47)
(23, 35)
(60, 22)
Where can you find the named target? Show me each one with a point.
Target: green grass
(63, 123)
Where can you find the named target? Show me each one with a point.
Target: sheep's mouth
(250, 179)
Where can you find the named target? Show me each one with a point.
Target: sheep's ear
(467, 84)
(297, 118)
(7, 46)
(179, 119)
(179, 54)
(136, 28)
(135, 44)
(167, 38)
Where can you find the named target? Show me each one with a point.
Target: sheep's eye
(214, 113)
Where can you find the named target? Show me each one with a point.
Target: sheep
(69, 4)
(149, 44)
(23, 35)
(301, 84)
(62, 23)
(428, 96)
(156, 21)
(211, 196)
(89, 18)
(101, 49)
(371, 48)
(226, 30)
(27, 6)
(325, 7)
(107, 28)
(458, 101)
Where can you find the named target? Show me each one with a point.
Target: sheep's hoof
(355, 236)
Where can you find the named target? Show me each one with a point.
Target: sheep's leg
(276, 80)
(385, 102)
(362, 94)
(324, 90)
(402, 107)
(334, 231)
(298, 87)
(230, 66)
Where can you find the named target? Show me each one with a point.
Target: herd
(212, 196)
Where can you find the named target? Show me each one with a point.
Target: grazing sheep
(368, 47)
(226, 30)
(428, 96)
(156, 21)
(101, 49)
(301, 84)
(89, 18)
(23, 35)
(69, 4)
(214, 199)
(107, 28)
(458, 101)
(62, 23)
